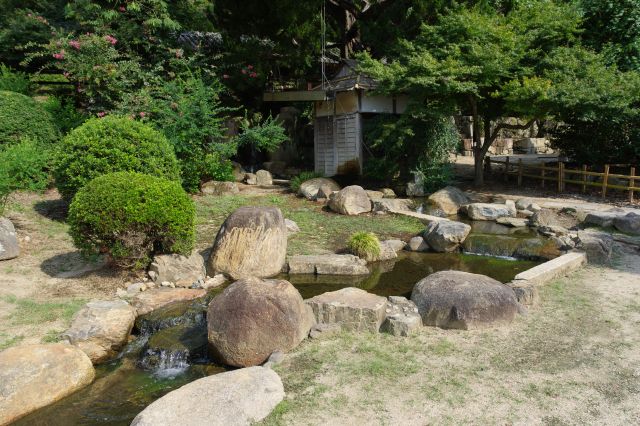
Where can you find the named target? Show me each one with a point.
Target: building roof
(348, 78)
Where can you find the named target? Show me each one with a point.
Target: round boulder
(33, 376)
(449, 199)
(252, 242)
(252, 318)
(8, 240)
(351, 201)
(454, 299)
(309, 188)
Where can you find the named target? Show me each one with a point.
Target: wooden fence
(559, 176)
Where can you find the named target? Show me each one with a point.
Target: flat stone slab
(424, 218)
(487, 211)
(560, 266)
(151, 300)
(513, 222)
(354, 309)
(328, 264)
(235, 398)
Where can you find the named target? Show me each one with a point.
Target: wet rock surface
(153, 299)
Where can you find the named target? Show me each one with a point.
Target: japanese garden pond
(170, 349)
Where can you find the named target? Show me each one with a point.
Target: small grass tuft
(364, 245)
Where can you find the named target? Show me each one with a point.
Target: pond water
(170, 348)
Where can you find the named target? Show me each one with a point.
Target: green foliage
(364, 245)
(132, 216)
(264, 135)
(112, 144)
(188, 111)
(302, 178)
(14, 81)
(611, 26)
(65, 115)
(22, 117)
(25, 166)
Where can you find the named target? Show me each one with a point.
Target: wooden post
(632, 183)
(544, 165)
(506, 170)
(520, 172)
(560, 175)
(584, 178)
(605, 181)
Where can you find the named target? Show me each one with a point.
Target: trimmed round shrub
(131, 217)
(22, 117)
(112, 144)
(364, 245)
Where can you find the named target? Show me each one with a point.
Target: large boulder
(353, 308)
(238, 171)
(545, 217)
(235, 398)
(449, 199)
(629, 224)
(602, 219)
(402, 317)
(486, 211)
(446, 236)
(264, 178)
(214, 187)
(252, 242)
(9, 248)
(454, 299)
(309, 188)
(597, 245)
(252, 318)
(33, 376)
(101, 329)
(328, 264)
(150, 300)
(351, 200)
(181, 270)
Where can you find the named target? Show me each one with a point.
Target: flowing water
(170, 345)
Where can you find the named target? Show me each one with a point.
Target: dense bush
(261, 135)
(112, 144)
(302, 178)
(26, 164)
(14, 81)
(65, 115)
(131, 217)
(21, 116)
(364, 245)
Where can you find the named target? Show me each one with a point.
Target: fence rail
(557, 173)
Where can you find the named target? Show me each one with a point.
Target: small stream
(170, 344)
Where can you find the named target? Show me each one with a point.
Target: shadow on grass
(55, 210)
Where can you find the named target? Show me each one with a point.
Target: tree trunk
(477, 145)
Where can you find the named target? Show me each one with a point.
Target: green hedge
(131, 217)
(112, 144)
(22, 117)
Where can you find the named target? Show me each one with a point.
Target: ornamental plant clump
(131, 217)
(112, 144)
(364, 245)
(22, 117)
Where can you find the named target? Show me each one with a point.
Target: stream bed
(170, 345)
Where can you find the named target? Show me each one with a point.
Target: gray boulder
(524, 203)
(251, 179)
(629, 223)
(34, 376)
(602, 219)
(309, 188)
(328, 264)
(351, 201)
(454, 299)
(101, 329)
(388, 193)
(252, 318)
(545, 217)
(264, 178)
(252, 242)
(235, 398)
(396, 245)
(219, 188)
(486, 211)
(180, 270)
(597, 245)
(292, 227)
(354, 309)
(402, 317)
(446, 236)
(9, 247)
(417, 244)
(374, 195)
(449, 199)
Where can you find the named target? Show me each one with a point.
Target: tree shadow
(55, 210)
(74, 265)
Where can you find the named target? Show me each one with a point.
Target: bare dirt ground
(572, 360)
